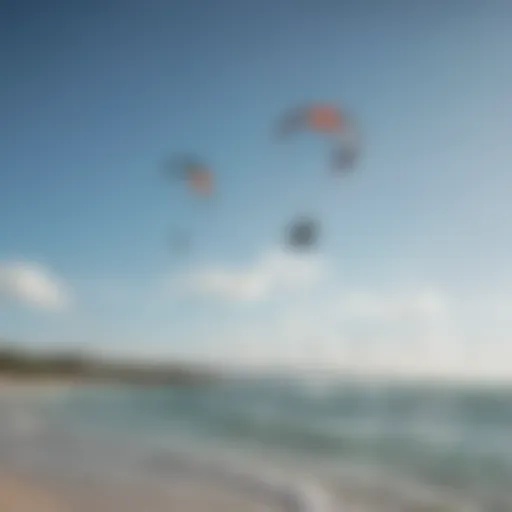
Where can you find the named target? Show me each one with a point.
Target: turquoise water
(449, 446)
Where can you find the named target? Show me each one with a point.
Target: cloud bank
(403, 329)
(393, 305)
(273, 273)
(425, 332)
(32, 285)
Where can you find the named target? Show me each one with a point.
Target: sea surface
(357, 446)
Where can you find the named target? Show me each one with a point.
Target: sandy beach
(18, 494)
(14, 387)
(131, 449)
(21, 493)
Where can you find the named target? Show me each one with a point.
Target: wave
(432, 441)
(266, 486)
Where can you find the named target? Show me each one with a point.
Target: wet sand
(20, 493)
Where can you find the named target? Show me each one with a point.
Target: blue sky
(95, 94)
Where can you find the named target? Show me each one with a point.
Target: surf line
(289, 495)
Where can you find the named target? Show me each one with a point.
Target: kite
(328, 121)
(198, 177)
(303, 233)
(199, 181)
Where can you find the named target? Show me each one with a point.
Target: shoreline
(20, 492)
(11, 386)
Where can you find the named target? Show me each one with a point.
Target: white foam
(289, 494)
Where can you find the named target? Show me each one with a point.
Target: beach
(45, 469)
(256, 446)
(20, 493)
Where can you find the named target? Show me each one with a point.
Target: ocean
(361, 446)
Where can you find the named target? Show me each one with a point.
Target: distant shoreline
(18, 367)
(10, 386)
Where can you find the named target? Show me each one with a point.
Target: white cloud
(396, 333)
(31, 284)
(271, 274)
(400, 330)
(393, 305)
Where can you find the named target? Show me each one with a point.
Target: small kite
(303, 233)
(199, 181)
(196, 175)
(328, 121)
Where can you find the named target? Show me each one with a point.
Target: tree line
(17, 363)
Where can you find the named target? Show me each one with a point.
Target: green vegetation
(24, 365)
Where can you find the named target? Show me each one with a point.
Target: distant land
(25, 365)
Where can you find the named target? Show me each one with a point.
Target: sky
(411, 273)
